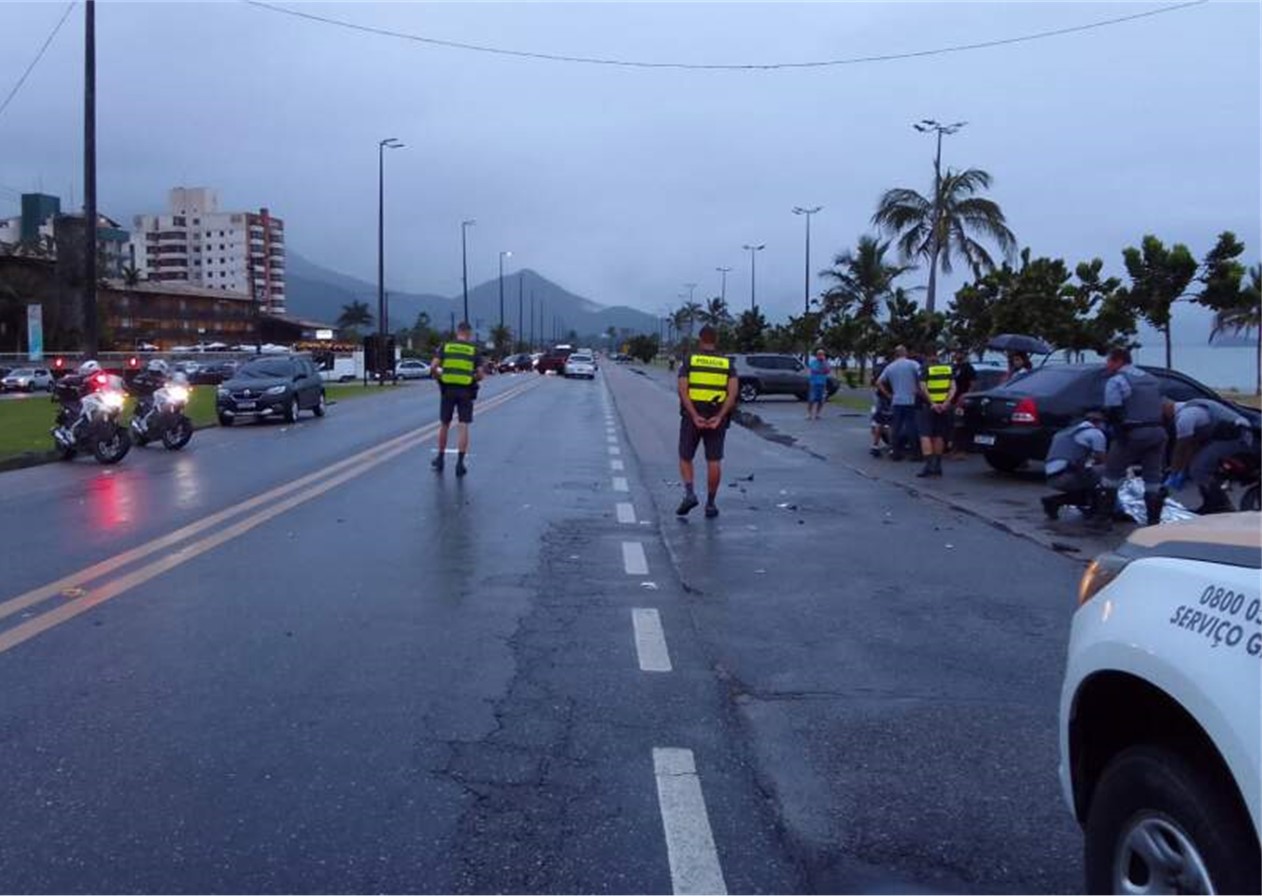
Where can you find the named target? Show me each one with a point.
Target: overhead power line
(38, 56)
(752, 66)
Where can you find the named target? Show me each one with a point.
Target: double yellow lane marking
(273, 502)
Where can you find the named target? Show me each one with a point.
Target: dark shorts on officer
(690, 437)
(457, 402)
(933, 425)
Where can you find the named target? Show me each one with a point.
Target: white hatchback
(1161, 711)
(579, 364)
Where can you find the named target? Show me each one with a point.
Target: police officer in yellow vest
(937, 391)
(458, 369)
(707, 394)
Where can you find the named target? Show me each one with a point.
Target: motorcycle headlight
(112, 400)
(178, 393)
(276, 390)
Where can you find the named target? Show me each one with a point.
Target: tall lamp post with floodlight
(464, 262)
(753, 265)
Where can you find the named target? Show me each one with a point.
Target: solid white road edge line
(694, 862)
(633, 559)
(650, 640)
(626, 512)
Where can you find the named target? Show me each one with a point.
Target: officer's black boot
(437, 464)
(1052, 505)
(927, 470)
(1153, 502)
(1214, 500)
(1102, 515)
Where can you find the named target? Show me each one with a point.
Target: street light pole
(753, 264)
(91, 330)
(924, 126)
(464, 263)
(521, 326)
(690, 287)
(806, 286)
(382, 146)
(503, 255)
(723, 283)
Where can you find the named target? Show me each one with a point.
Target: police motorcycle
(88, 419)
(161, 400)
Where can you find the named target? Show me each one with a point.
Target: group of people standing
(921, 397)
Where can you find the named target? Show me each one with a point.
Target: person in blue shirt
(819, 371)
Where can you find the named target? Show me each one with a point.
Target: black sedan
(271, 387)
(214, 373)
(515, 364)
(1014, 423)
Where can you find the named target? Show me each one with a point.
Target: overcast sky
(622, 184)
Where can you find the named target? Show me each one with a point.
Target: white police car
(1161, 711)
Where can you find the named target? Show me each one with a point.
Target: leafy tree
(716, 313)
(1159, 276)
(751, 331)
(501, 337)
(946, 226)
(908, 325)
(643, 347)
(1244, 315)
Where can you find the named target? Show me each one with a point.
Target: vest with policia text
(457, 360)
(938, 382)
(707, 380)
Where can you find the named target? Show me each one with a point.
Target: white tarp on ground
(1130, 501)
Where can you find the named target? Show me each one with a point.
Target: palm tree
(690, 311)
(355, 314)
(715, 313)
(1245, 316)
(946, 226)
(863, 280)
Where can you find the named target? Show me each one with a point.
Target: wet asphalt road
(378, 679)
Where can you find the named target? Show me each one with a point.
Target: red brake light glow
(102, 378)
(1026, 411)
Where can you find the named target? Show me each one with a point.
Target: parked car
(1014, 423)
(214, 373)
(580, 364)
(271, 387)
(1160, 711)
(553, 360)
(412, 369)
(769, 374)
(28, 379)
(515, 364)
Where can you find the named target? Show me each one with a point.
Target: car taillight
(1026, 411)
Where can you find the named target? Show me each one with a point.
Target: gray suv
(769, 374)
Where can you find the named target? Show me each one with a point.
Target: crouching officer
(1134, 407)
(458, 369)
(708, 387)
(1072, 466)
(1206, 433)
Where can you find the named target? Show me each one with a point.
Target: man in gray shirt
(900, 382)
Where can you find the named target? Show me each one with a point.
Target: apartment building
(197, 243)
(43, 231)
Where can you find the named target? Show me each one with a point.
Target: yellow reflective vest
(938, 382)
(707, 378)
(457, 359)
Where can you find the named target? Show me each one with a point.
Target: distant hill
(317, 293)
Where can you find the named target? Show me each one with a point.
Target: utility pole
(503, 255)
(753, 264)
(806, 286)
(924, 126)
(723, 283)
(533, 344)
(464, 263)
(521, 329)
(382, 314)
(91, 328)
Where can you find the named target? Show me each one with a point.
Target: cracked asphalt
(413, 683)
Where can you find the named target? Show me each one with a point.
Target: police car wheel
(1159, 823)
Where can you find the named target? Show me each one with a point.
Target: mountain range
(317, 293)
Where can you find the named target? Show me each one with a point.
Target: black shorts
(934, 425)
(456, 402)
(690, 437)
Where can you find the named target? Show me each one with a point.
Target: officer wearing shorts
(707, 395)
(458, 369)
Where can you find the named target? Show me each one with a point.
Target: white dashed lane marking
(650, 641)
(633, 559)
(626, 512)
(614, 449)
(620, 484)
(694, 862)
(616, 465)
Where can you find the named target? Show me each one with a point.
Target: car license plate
(245, 405)
(983, 440)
